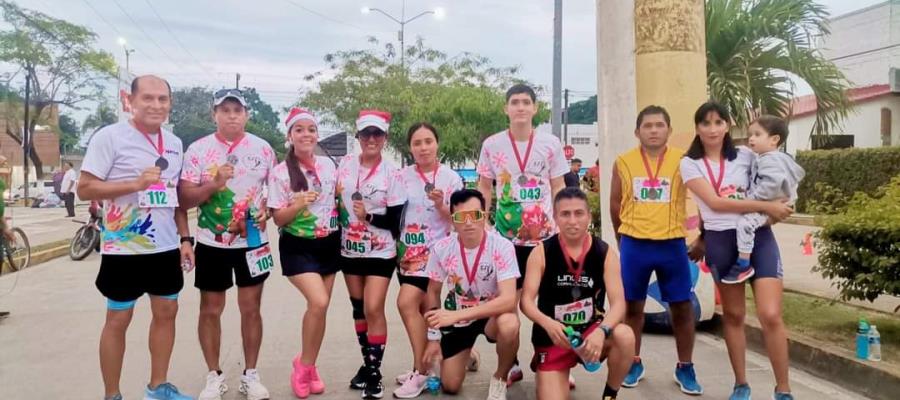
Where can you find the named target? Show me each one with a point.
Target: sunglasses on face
(462, 217)
(370, 135)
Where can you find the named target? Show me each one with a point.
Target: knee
(508, 326)
(407, 307)
(317, 305)
(211, 309)
(118, 321)
(623, 337)
(249, 307)
(733, 316)
(165, 311)
(769, 318)
(374, 311)
(634, 309)
(451, 387)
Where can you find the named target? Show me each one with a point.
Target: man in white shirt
(67, 188)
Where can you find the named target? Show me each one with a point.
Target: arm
(533, 274)
(91, 187)
(704, 190)
(433, 297)
(192, 194)
(505, 302)
(615, 200)
(186, 249)
(390, 220)
(557, 184)
(486, 187)
(612, 277)
(770, 178)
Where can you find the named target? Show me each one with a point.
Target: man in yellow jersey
(647, 206)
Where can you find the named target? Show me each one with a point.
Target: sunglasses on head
(225, 92)
(462, 217)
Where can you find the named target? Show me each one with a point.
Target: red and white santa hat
(376, 118)
(299, 114)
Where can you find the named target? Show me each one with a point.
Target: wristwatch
(434, 335)
(189, 239)
(607, 331)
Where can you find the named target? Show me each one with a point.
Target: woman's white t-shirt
(734, 186)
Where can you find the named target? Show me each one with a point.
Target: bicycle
(87, 238)
(15, 251)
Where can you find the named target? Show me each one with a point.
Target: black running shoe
(359, 380)
(374, 389)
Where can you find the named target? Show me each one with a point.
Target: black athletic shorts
(219, 269)
(383, 267)
(125, 278)
(299, 255)
(522, 253)
(456, 340)
(420, 282)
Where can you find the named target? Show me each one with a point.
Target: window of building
(581, 140)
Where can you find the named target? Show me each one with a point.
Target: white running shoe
(215, 387)
(497, 391)
(412, 387)
(405, 376)
(252, 387)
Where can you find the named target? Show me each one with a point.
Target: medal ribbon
(522, 163)
(654, 178)
(585, 247)
(433, 176)
(371, 172)
(470, 274)
(717, 183)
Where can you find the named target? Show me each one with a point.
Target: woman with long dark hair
(428, 186)
(302, 198)
(371, 201)
(718, 174)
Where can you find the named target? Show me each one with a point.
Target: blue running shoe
(686, 378)
(741, 392)
(116, 397)
(738, 274)
(782, 396)
(635, 374)
(165, 391)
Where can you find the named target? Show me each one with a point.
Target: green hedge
(860, 247)
(833, 176)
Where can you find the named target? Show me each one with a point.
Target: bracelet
(607, 330)
(434, 335)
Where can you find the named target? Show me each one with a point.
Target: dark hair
(295, 175)
(419, 125)
(773, 126)
(576, 160)
(463, 195)
(570, 193)
(652, 110)
(696, 150)
(136, 81)
(519, 89)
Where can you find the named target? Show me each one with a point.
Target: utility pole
(25, 130)
(237, 81)
(566, 117)
(557, 66)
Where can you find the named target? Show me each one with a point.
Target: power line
(324, 16)
(165, 25)
(150, 38)
(113, 27)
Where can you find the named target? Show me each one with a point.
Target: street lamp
(439, 13)
(122, 42)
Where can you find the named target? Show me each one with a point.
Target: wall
(865, 31)
(864, 123)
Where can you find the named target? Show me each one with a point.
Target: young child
(775, 175)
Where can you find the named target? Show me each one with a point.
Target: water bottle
(576, 342)
(862, 339)
(874, 344)
(433, 383)
(253, 239)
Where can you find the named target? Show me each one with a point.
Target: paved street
(49, 346)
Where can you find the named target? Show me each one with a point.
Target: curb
(874, 379)
(801, 219)
(51, 251)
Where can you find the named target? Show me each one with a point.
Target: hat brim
(239, 99)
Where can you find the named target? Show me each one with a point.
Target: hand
(302, 200)
(148, 177)
(359, 209)
(557, 333)
(223, 174)
(440, 318)
(8, 235)
(593, 345)
(432, 352)
(187, 254)
(437, 196)
(261, 217)
(697, 250)
(779, 210)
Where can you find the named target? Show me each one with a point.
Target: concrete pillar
(616, 92)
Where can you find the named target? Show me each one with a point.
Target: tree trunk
(32, 153)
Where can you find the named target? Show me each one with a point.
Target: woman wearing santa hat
(370, 204)
(302, 197)
(428, 186)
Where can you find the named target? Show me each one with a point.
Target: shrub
(850, 170)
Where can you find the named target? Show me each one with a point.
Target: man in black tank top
(567, 279)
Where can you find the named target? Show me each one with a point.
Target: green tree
(462, 96)
(102, 116)
(60, 63)
(69, 133)
(583, 112)
(753, 47)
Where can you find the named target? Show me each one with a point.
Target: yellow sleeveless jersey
(652, 208)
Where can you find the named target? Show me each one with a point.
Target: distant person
(67, 187)
(57, 181)
(571, 177)
(592, 178)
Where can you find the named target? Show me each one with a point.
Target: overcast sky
(273, 43)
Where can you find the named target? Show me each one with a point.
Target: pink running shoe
(300, 379)
(316, 386)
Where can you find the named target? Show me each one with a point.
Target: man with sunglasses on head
(133, 166)
(479, 270)
(225, 175)
(528, 168)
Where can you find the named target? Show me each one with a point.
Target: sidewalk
(49, 346)
(798, 274)
(45, 225)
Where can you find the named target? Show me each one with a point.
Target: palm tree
(753, 47)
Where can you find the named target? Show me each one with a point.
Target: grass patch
(835, 322)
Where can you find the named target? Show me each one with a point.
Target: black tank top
(560, 294)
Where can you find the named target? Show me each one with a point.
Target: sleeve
(396, 196)
(278, 198)
(271, 159)
(484, 162)
(190, 168)
(769, 179)
(98, 160)
(690, 170)
(504, 258)
(558, 164)
(390, 220)
(433, 268)
(455, 186)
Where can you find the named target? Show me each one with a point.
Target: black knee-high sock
(609, 393)
(377, 344)
(362, 328)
